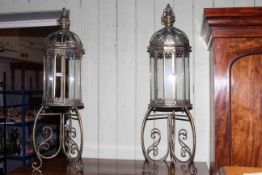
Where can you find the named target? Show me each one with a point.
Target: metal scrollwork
(70, 144)
(66, 141)
(187, 153)
(156, 135)
(45, 142)
(152, 152)
(182, 136)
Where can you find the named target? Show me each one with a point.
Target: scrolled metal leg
(142, 134)
(189, 168)
(35, 165)
(182, 137)
(46, 138)
(193, 133)
(67, 138)
(71, 149)
(156, 136)
(76, 166)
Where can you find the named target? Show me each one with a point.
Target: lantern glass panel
(187, 79)
(152, 78)
(180, 83)
(169, 76)
(77, 79)
(49, 73)
(160, 77)
(58, 76)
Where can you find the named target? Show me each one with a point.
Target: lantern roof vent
(63, 38)
(169, 36)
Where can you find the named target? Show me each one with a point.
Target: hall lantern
(169, 65)
(62, 64)
(61, 96)
(169, 52)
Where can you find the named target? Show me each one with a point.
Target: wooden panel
(29, 32)
(236, 170)
(224, 51)
(220, 108)
(246, 114)
(231, 22)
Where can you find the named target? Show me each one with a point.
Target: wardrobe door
(246, 111)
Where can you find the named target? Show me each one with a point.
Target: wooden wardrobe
(234, 39)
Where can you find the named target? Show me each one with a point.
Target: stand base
(67, 134)
(187, 153)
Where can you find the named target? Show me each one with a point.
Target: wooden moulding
(231, 22)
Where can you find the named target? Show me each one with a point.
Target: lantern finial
(64, 21)
(168, 17)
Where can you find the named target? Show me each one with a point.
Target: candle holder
(169, 51)
(61, 97)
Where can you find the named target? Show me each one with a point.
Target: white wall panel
(258, 3)
(224, 3)
(244, 3)
(126, 79)
(90, 76)
(201, 84)
(107, 79)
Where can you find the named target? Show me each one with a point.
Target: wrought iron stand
(67, 138)
(170, 114)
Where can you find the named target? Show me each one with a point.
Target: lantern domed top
(169, 36)
(63, 38)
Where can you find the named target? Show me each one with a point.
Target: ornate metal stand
(171, 116)
(68, 135)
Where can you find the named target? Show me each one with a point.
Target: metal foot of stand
(151, 152)
(68, 134)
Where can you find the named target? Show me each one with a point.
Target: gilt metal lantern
(61, 97)
(169, 65)
(169, 52)
(62, 67)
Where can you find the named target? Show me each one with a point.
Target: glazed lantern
(169, 65)
(62, 66)
(61, 98)
(169, 51)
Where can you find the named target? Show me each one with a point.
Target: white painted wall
(115, 76)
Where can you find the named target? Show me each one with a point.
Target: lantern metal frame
(171, 110)
(70, 139)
